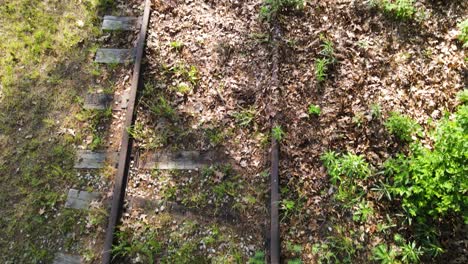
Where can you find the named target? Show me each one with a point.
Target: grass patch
(46, 43)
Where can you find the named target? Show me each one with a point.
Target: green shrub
(463, 36)
(401, 126)
(434, 181)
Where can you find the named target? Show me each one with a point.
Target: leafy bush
(402, 126)
(433, 181)
(463, 36)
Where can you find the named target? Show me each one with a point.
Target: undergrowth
(429, 185)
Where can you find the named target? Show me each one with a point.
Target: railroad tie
(62, 258)
(111, 23)
(87, 159)
(112, 56)
(180, 160)
(98, 101)
(78, 199)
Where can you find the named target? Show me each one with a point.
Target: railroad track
(183, 160)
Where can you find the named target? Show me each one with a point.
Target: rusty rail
(126, 143)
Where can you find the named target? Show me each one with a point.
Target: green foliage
(401, 9)
(288, 207)
(258, 258)
(462, 96)
(177, 45)
(321, 68)
(349, 165)
(271, 8)
(376, 111)
(277, 133)
(337, 248)
(384, 254)
(245, 117)
(147, 247)
(402, 126)
(463, 36)
(314, 110)
(400, 252)
(433, 181)
(363, 212)
(161, 108)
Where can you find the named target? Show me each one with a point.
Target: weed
(183, 88)
(245, 117)
(401, 9)
(271, 8)
(401, 126)
(321, 68)
(376, 111)
(215, 136)
(349, 165)
(288, 207)
(327, 49)
(258, 258)
(463, 36)
(177, 45)
(384, 254)
(410, 253)
(314, 110)
(277, 133)
(162, 108)
(358, 119)
(363, 212)
(462, 96)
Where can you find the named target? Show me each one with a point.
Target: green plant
(277, 133)
(463, 36)
(183, 88)
(321, 68)
(161, 107)
(462, 96)
(384, 254)
(288, 207)
(401, 9)
(258, 258)
(245, 117)
(410, 253)
(215, 136)
(314, 110)
(376, 111)
(401, 126)
(363, 211)
(271, 8)
(433, 182)
(177, 45)
(328, 51)
(358, 119)
(350, 165)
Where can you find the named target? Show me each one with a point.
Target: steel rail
(126, 143)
